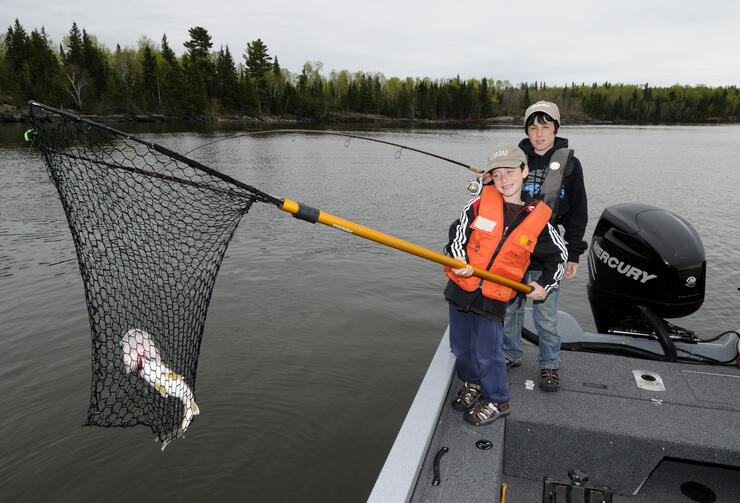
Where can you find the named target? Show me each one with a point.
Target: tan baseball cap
(506, 156)
(550, 109)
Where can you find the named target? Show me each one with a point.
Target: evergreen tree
(486, 107)
(198, 72)
(17, 52)
(227, 82)
(93, 61)
(526, 100)
(258, 64)
(172, 81)
(167, 53)
(74, 54)
(17, 47)
(150, 74)
(199, 44)
(257, 60)
(248, 95)
(43, 66)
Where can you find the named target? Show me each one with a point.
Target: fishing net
(150, 228)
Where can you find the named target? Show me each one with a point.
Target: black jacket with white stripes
(550, 251)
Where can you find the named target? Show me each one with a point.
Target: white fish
(141, 355)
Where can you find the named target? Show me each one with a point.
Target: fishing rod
(349, 136)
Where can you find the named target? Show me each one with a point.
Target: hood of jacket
(528, 149)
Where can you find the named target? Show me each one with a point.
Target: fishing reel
(475, 186)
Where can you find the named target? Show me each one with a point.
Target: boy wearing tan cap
(497, 231)
(555, 177)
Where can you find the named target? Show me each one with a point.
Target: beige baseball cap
(550, 109)
(506, 156)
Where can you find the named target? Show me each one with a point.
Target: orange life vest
(512, 259)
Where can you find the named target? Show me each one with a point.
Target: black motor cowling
(643, 257)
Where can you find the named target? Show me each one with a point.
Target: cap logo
(554, 165)
(497, 154)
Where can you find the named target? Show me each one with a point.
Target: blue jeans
(545, 315)
(476, 342)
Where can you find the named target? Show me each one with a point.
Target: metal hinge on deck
(574, 491)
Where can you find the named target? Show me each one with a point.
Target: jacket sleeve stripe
(560, 244)
(458, 244)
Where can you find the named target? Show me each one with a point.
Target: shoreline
(12, 114)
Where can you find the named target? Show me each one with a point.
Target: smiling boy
(497, 231)
(555, 177)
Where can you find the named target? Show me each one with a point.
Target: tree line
(81, 74)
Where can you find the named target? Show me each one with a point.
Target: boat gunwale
(400, 471)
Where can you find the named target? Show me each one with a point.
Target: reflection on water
(315, 341)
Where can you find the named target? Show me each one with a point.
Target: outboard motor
(645, 264)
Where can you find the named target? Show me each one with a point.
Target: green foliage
(151, 78)
(29, 66)
(167, 53)
(227, 82)
(82, 74)
(259, 64)
(94, 60)
(73, 54)
(198, 74)
(43, 66)
(199, 44)
(257, 60)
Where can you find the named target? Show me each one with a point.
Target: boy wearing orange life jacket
(498, 231)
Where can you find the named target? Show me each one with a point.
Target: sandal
(466, 397)
(486, 412)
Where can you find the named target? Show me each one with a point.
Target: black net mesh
(150, 229)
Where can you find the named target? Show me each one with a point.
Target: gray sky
(662, 42)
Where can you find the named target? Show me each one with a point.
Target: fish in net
(150, 228)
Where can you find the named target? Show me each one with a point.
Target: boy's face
(508, 181)
(541, 136)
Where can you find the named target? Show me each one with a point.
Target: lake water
(316, 340)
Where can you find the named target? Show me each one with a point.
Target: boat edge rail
(400, 471)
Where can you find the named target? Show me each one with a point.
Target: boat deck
(644, 445)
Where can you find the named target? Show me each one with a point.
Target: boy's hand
(466, 271)
(538, 293)
(571, 268)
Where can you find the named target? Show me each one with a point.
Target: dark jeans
(476, 342)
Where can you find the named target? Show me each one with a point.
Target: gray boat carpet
(466, 472)
(641, 443)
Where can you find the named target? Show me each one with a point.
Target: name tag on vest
(483, 224)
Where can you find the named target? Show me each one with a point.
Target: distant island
(151, 83)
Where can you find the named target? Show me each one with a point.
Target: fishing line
(349, 137)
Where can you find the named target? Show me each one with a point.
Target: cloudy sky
(662, 42)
